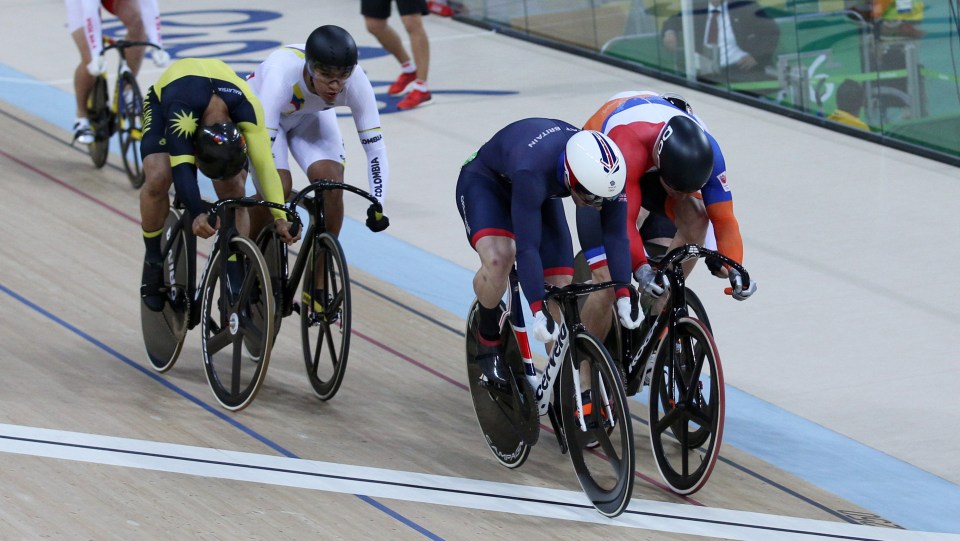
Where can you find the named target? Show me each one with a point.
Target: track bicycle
(686, 388)
(232, 303)
(324, 319)
(600, 442)
(613, 341)
(123, 115)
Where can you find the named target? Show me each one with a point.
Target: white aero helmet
(593, 167)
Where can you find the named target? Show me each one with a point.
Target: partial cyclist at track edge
(299, 86)
(676, 170)
(200, 115)
(141, 18)
(509, 197)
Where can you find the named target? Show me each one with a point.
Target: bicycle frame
(189, 290)
(318, 225)
(227, 230)
(121, 116)
(670, 267)
(509, 414)
(543, 385)
(122, 67)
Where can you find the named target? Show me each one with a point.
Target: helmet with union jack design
(593, 167)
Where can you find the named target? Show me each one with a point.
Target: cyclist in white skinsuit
(142, 20)
(299, 86)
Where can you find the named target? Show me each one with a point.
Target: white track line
(431, 489)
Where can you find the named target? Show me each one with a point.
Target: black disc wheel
(600, 440)
(98, 112)
(325, 316)
(508, 415)
(130, 127)
(236, 345)
(165, 331)
(687, 411)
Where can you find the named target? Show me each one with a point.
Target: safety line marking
(428, 488)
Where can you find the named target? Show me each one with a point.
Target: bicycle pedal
(500, 388)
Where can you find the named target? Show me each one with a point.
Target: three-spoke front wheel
(687, 407)
(600, 443)
(237, 323)
(325, 316)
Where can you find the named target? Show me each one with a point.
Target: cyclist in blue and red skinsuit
(509, 197)
(674, 168)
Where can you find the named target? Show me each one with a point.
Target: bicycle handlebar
(326, 185)
(246, 202)
(693, 251)
(111, 43)
(576, 290)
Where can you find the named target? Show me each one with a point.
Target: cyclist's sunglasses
(586, 196)
(329, 74)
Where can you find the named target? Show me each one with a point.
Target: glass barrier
(889, 67)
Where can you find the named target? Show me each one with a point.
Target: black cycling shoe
(152, 290)
(490, 362)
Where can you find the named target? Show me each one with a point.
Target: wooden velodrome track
(96, 446)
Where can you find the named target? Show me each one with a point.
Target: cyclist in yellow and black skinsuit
(192, 95)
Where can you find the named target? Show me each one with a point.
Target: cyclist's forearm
(378, 167)
(185, 182)
(273, 192)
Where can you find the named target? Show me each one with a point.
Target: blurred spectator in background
(735, 39)
(440, 7)
(850, 98)
(899, 17)
(375, 14)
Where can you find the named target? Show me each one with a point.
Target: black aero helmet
(330, 46)
(684, 154)
(678, 101)
(221, 150)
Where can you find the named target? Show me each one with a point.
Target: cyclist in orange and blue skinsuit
(674, 168)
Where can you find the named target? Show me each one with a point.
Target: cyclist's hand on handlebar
(202, 227)
(717, 268)
(97, 66)
(376, 221)
(736, 286)
(647, 278)
(543, 329)
(160, 57)
(629, 313)
(283, 229)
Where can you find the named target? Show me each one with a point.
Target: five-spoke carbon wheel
(236, 343)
